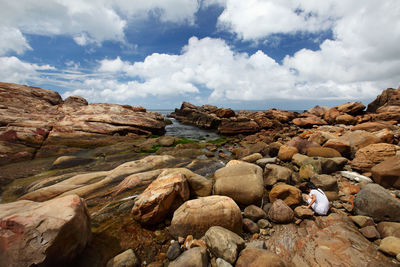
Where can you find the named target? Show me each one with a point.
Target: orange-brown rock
(325, 152)
(280, 115)
(309, 121)
(301, 144)
(238, 126)
(389, 97)
(225, 113)
(330, 115)
(196, 216)
(341, 145)
(254, 257)
(318, 110)
(161, 198)
(286, 152)
(371, 155)
(50, 233)
(352, 108)
(387, 173)
(289, 194)
(373, 126)
(346, 119)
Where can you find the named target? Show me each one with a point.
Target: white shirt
(321, 204)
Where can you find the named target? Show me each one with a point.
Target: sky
(253, 54)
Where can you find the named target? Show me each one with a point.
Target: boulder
(352, 108)
(254, 257)
(371, 155)
(224, 243)
(274, 173)
(303, 213)
(373, 126)
(254, 213)
(370, 232)
(362, 221)
(48, 233)
(75, 101)
(327, 240)
(318, 110)
(387, 96)
(374, 201)
(198, 215)
(289, 194)
(359, 139)
(331, 114)
(286, 152)
(225, 113)
(389, 229)
(390, 245)
(342, 145)
(301, 144)
(252, 158)
(264, 161)
(309, 121)
(280, 212)
(242, 182)
(232, 127)
(346, 119)
(280, 115)
(126, 259)
(325, 182)
(387, 173)
(194, 257)
(325, 152)
(174, 251)
(161, 198)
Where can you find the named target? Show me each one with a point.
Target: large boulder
(223, 243)
(352, 108)
(289, 194)
(388, 96)
(254, 257)
(389, 229)
(387, 173)
(331, 240)
(371, 155)
(274, 173)
(280, 212)
(242, 182)
(238, 126)
(46, 234)
(325, 152)
(195, 217)
(309, 121)
(374, 201)
(161, 198)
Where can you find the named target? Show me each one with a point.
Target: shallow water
(191, 132)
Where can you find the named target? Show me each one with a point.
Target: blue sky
(254, 54)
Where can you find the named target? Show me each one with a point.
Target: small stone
(390, 245)
(362, 221)
(370, 232)
(174, 251)
(298, 221)
(263, 223)
(254, 213)
(188, 242)
(250, 226)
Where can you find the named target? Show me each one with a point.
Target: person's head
(310, 186)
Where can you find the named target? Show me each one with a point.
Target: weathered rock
(275, 173)
(222, 263)
(362, 221)
(75, 101)
(286, 152)
(321, 137)
(303, 213)
(263, 223)
(370, 232)
(194, 257)
(254, 213)
(198, 116)
(280, 212)
(387, 96)
(252, 158)
(325, 152)
(174, 251)
(161, 198)
(259, 244)
(387, 173)
(373, 126)
(352, 108)
(346, 119)
(359, 139)
(242, 182)
(374, 201)
(250, 227)
(225, 113)
(325, 182)
(342, 145)
(301, 144)
(371, 155)
(309, 121)
(253, 257)
(197, 216)
(125, 259)
(230, 127)
(329, 240)
(47, 233)
(289, 194)
(70, 161)
(390, 245)
(318, 110)
(224, 243)
(264, 161)
(166, 140)
(280, 115)
(389, 229)
(199, 185)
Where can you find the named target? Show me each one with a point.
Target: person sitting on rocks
(316, 199)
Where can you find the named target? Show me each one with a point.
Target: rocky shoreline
(99, 185)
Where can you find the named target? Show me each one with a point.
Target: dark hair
(310, 185)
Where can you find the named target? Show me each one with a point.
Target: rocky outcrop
(387, 173)
(36, 122)
(389, 97)
(48, 233)
(371, 155)
(196, 216)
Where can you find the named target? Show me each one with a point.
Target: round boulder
(290, 194)
(280, 212)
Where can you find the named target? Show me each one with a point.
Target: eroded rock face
(329, 240)
(371, 155)
(243, 182)
(195, 217)
(36, 122)
(387, 173)
(388, 96)
(254, 257)
(160, 198)
(45, 233)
